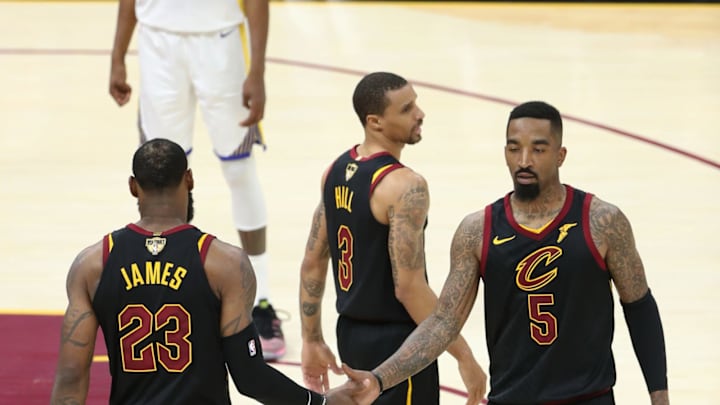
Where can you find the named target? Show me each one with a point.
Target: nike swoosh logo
(226, 33)
(497, 241)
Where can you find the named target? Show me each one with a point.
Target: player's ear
(373, 122)
(132, 183)
(189, 181)
(561, 156)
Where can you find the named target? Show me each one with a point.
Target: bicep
(621, 257)
(407, 214)
(230, 270)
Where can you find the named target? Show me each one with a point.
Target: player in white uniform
(194, 52)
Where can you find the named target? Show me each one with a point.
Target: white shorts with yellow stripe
(181, 70)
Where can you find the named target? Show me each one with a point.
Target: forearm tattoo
(310, 301)
(435, 334)
(421, 348)
(314, 289)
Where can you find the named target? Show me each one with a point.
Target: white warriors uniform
(194, 52)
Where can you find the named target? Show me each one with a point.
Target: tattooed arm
(613, 236)
(402, 201)
(317, 357)
(232, 278)
(79, 329)
(438, 330)
(407, 211)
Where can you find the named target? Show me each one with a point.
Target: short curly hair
(159, 164)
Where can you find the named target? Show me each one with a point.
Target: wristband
(380, 383)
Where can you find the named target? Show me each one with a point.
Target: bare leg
(253, 241)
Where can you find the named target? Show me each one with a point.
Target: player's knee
(246, 195)
(239, 173)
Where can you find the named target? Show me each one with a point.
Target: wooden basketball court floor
(639, 87)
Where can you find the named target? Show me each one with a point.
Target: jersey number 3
(174, 352)
(345, 266)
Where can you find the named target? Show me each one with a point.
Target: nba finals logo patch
(252, 349)
(350, 170)
(155, 245)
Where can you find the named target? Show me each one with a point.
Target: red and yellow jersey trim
(381, 173)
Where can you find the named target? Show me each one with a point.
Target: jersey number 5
(140, 356)
(345, 266)
(543, 325)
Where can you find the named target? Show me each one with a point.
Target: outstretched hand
(366, 386)
(317, 359)
(350, 393)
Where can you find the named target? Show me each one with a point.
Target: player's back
(160, 318)
(358, 242)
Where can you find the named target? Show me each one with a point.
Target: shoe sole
(273, 356)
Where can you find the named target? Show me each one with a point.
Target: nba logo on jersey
(155, 245)
(252, 349)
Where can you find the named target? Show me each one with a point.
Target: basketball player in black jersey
(371, 222)
(174, 303)
(548, 255)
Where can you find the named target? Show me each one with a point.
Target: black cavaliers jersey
(358, 242)
(160, 318)
(548, 306)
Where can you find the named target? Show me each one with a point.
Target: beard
(414, 138)
(527, 192)
(190, 208)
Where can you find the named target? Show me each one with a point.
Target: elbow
(403, 293)
(70, 376)
(307, 268)
(313, 266)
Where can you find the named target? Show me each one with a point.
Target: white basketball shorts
(181, 70)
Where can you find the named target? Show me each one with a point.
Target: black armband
(256, 379)
(380, 383)
(646, 332)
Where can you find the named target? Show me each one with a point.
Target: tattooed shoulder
(612, 233)
(602, 218)
(411, 201)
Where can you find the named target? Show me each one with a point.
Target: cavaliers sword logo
(155, 245)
